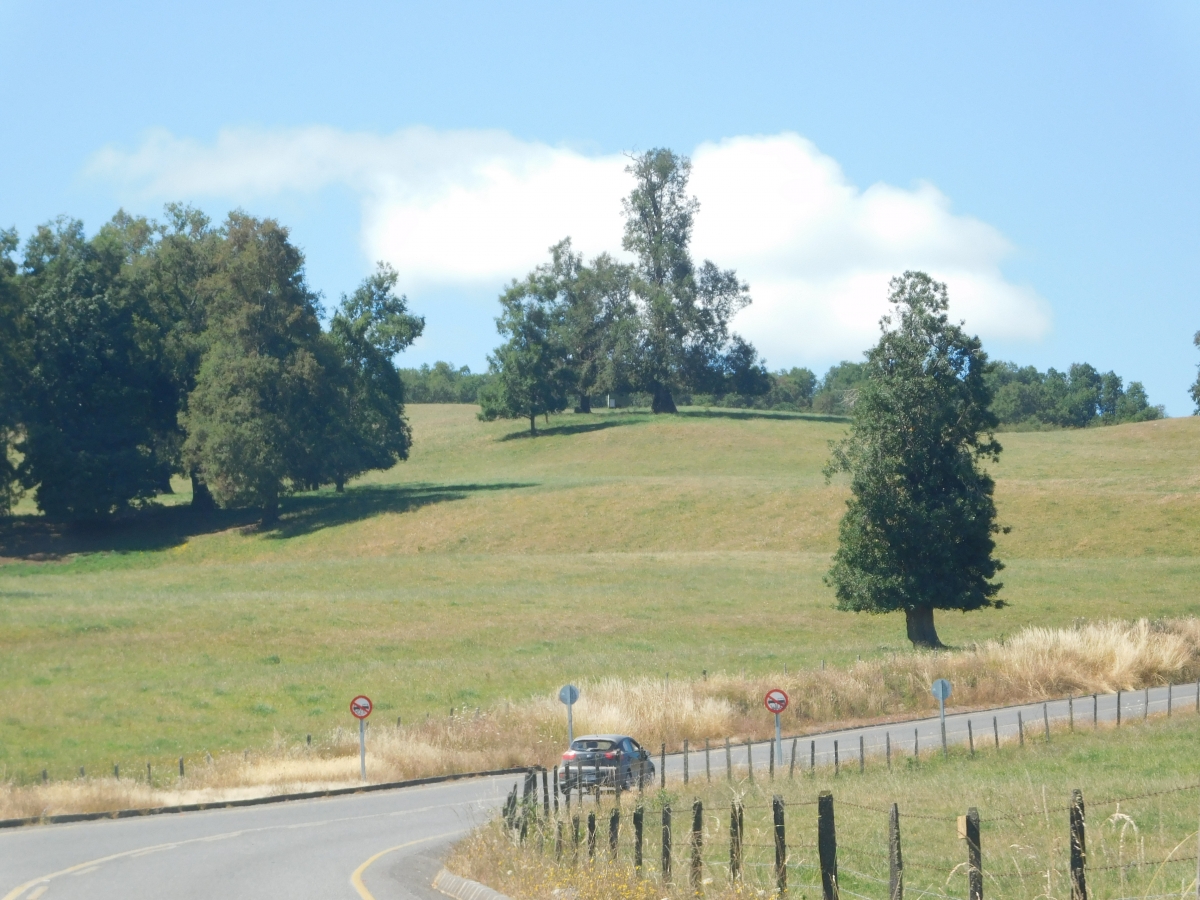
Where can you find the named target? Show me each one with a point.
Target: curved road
(389, 844)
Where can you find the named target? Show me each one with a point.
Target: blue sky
(1041, 158)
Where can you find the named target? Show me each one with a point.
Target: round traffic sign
(569, 694)
(776, 700)
(360, 707)
(941, 689)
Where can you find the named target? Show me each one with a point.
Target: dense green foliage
(443, 383)
(1195, 388)
(157, 349)
(659, 327)
(917, 532)
(1079, 397)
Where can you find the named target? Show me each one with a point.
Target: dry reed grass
(1037, 663)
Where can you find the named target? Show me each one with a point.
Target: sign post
(568, 695)
(941, 689)
(776, 701)
(360, 708)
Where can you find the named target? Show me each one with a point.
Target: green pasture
(495, 565)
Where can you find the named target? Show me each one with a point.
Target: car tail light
(570, 754)
(611, 754)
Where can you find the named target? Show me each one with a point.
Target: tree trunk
(533, 423)
(663, 402)
(202, 498)
(585, 403)
(270, 512)
(339, 484)
(920, 628)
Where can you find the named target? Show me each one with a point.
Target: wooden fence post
(558, 841)
(1118, 709)
(181, 767)
(792, 764)
(887, 748)
(1046, 719)
(780, 845)
(1078, 848)
(614, 830)
(812, 757)
(1170, 691)
(974, 857)
(750, 760)
(728, 761)
(862, 756)
(1020, 729)
(546, 794)
(735, 841)
(591, 835)
(771, 763)
(895, 860)
(1071, 712)
(1146, 704)
(666, 843)
(597, 777)
(970, 737)
(827, 846)
(996, 731)
(639, 818)
(916, 746)
(697, 844)
(575, 840)
(835, 758)
(662, 767)
(685, 761)
(117, 771)
(707, 766)
(1095, 712)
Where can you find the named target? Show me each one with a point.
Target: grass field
(493, 566)
(1140, 812)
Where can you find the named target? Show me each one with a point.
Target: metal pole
(778, 740)
(570, 726)
(362, 748)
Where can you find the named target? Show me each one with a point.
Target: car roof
(602, 737)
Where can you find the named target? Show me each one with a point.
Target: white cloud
(476, 208)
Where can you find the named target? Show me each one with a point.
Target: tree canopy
(1195, 388)
(917, 532)
(154, 349)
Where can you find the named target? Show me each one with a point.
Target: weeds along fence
(773, 837)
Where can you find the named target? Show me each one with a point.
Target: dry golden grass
(1037, 663)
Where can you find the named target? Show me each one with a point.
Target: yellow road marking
(356, 877)
(96, 863)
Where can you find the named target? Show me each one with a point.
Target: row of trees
(659, 326)
(154, 349)
(1195, 388)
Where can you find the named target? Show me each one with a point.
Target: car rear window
(593, 745)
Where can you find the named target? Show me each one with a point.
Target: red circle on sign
(776, 700)
(360, 707)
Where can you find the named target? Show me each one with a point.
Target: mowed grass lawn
(492, 565)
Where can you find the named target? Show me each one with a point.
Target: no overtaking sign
(776, 700)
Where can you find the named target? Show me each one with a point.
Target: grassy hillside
(493, 565)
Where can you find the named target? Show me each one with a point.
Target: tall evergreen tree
(532, 375)
(369, 329)
(99, 407)
(917, 533)
(1195, 388)
(257, 419)
(13, 345)
(683, 341)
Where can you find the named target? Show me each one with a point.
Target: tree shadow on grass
(38, 539)
(778, 415)
(574, 428)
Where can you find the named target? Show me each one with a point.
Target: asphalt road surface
(389, 845)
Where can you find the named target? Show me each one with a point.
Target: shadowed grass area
(486, 568)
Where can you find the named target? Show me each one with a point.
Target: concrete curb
(463, 888)
(253, 801)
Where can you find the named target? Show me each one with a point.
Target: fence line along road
(982, 728)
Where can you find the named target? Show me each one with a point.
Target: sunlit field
(493, 566)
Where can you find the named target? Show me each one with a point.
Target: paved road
(985, 728)
(305, 849)
(394, 840)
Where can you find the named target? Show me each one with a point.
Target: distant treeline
(1024, 396)
(182, 347)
